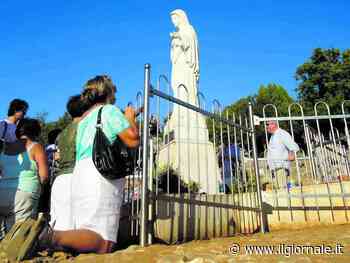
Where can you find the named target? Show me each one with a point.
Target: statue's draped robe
(185, 71)
(187, 148)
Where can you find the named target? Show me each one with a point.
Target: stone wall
(183, 218)
(187, 217)
(311, 205)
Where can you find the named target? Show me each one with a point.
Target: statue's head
(179, 17)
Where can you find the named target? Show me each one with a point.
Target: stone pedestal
(190, 153)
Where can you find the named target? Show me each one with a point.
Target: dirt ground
(316, 244)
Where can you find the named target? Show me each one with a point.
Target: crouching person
(23, 171)
(96, 201)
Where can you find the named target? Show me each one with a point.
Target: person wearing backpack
(24, 170)
(16, 111)
(96, 201)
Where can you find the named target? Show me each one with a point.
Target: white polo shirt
(280, 144)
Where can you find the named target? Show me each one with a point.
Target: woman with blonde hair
(96, 201)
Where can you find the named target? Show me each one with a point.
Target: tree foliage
(272, 94)
(324, 76)
(267, 94)
(46, 126)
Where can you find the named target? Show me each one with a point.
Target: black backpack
(112, 160)
(2, 138)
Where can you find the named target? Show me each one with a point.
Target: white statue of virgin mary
(184, 58)
(187, 147)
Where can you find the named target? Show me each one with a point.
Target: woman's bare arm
(39, 156)
(130, 136)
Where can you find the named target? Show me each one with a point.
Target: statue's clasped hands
(174, 35)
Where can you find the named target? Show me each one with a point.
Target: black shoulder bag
(112, 160)
(2, 139)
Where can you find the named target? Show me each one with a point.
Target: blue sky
(50, 48)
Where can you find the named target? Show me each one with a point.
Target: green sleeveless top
(66, 146)
(20, 172)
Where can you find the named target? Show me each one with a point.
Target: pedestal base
(195, 162)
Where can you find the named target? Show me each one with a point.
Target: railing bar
(194, 108)
(318, 117)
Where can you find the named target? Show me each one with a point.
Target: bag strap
(4, 131)
(98, 124)
(2, 139)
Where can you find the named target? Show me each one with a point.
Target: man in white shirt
(17, 110)
(280, 152)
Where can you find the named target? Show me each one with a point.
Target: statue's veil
(182, 15)
(192, 55)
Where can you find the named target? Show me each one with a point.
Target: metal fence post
(256, 168)
(145, 146)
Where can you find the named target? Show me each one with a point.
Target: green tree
(236, 110)
(267, 94)
(240, 107)
(278, 96)
(324, 76)
(272, 94)
(46, 126)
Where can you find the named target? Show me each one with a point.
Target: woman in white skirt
(96, 201)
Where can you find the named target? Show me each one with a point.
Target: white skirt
(96, 201)
(60, 206)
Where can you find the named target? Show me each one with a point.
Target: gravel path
(304, 245)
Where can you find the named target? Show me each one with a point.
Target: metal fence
(324, 154)
(193, 156)
(318, 178)
(197, 163)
